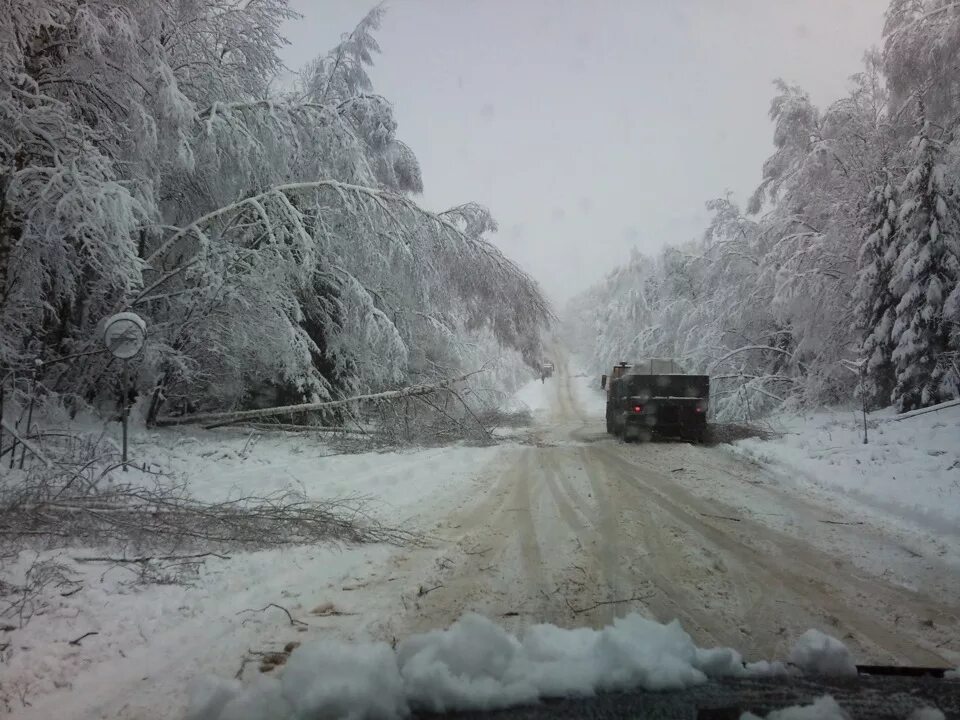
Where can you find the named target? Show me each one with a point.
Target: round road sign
(124, 335)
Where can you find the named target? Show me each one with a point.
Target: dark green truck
(655, 397)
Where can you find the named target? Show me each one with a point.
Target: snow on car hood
(477, 665)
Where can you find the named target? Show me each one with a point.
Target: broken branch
(477, 552)
(150, 559)
(293, 621)
(721, 517)
(635, 598)
(85, 635)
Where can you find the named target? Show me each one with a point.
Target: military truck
(656, 397)
(546, 369)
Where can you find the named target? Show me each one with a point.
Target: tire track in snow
(800, 575)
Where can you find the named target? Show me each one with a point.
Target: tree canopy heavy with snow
(149, 162)
(849, 250)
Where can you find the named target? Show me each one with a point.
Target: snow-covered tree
(147, 162)
(920, 51)
(875, 303)
(926, 270)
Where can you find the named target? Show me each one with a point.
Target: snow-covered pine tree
(875, 303)
(925, 273)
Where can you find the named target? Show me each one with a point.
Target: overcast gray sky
(589, 127)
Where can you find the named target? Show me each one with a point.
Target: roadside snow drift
(474, 665)
(909, 469)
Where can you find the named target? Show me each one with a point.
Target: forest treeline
(841, 276)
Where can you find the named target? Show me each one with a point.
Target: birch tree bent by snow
(267, 233)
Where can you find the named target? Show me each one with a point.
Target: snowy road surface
(566, 526)
(580, 520)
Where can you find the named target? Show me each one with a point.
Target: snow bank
(227, 463)
(910, 468)
(820, 654)
(474, 665)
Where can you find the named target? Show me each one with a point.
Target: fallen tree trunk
(922, 411)
(213, 420)
(284, 427)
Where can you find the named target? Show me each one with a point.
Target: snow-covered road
(578, 520)
(566, 526)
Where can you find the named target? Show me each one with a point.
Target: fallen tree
(213, 420)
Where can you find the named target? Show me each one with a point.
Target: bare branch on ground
(76, 641)
(293, 621)
(578, 611)
(150, 559)
(721, 517)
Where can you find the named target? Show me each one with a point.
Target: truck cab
(606, 382)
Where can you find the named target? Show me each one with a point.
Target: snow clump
(823, 708)
(820, 654)
(322, 680)
(477, 665)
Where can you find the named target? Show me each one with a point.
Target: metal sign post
(124, 334)
(859, 367)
